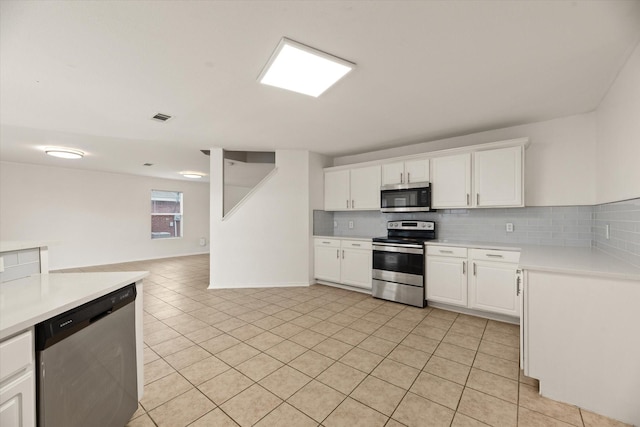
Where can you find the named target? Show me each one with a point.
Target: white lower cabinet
(17, 381)
(478, 279)
(346, 262)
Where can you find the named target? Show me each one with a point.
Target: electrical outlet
(509, 227)
(335, 224)
(607, 231)
(350, 224)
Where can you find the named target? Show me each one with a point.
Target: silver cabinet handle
(467, 199)
(353, 204)
(337, 253)
(474, 269)
(401, 178)
(495, 256)
(343, 254)
(445, 252)
(464, 268)
(355, 244)
(518, 283)
(408, 177)
(477, 199)
(347, 203)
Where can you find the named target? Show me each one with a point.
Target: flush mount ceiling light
(64, 153)
(192, 175)
(303, 69)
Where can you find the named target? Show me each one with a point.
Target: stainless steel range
(398, 262)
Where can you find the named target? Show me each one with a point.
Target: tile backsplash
(580, 226)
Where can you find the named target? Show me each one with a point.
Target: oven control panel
(411, 225)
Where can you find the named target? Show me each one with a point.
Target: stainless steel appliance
(398, 262)
(414, 197)
(87, 364)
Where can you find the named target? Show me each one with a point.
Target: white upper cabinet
(352, 189)
(451, 181)
(336, 190)
(405, 172)
(498, 177)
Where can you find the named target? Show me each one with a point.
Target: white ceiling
(89, 75)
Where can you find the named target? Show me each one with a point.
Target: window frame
(165, 214)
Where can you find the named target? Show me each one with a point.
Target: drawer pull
(337, 253)
(445, 252)
(494, 256)
(464, 268)
(326, 243)
(355, 244)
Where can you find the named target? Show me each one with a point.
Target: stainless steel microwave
(414, 197)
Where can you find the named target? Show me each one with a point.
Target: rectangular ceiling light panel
(299, 68)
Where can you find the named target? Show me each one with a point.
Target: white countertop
(364, 239)
(25, 302)
(18, 245)
(476, 245)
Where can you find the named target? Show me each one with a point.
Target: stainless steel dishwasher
(86, 360)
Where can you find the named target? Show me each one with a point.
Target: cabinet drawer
(15, 354)
(356, 244)
(494, 255)
(332, 243)
(447, 251)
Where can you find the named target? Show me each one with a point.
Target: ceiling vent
(161, 117)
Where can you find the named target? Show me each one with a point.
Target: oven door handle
(405, 249)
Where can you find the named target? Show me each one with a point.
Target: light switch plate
(509, 227)
(350, 224)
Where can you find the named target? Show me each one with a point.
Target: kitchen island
(28, 301)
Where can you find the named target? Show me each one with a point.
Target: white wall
(316, 198)
(560, 162)
(618, 130)
(95, 217)
(266, 242)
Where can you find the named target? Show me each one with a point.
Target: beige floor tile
(252, 316)
(251, 405)
(326, 328)
(396, 373)
(156, 370)
(361, 359)
(170, 346)
(443, 314)
(529, 418)
(420, 412)
(268, 323)
(488, 409)
(390, 334)
(311, 363)
(215, 418)
(150, 355)
(409, 356)
(341, 377)
(186, 357)
(499, 350)
(229, 324)
(322, 313)
(436, 389)
(142, 421)
(448, 369)
(378, 318)
(286, 415)
(246, 332)
(461, 420)
(287, 330)
(182, 410)
(378, 394)
(430, 332)
(190, 326)
(421, 343)
(220, 343)
(224, 386)
(377, 345)
(353, 413)
(342, 319)
(204, 370)
(502, 327)
(455, 353)
(460, 340)
(287, 315)
(528, 380)
(531, 399)
(308, 338)
(163, 390)
(316, 400)
(286, 351)
(594, 420)
(437, 322)
(464, 328)
(393, 423)
(306, 321)
(497, 366)
(237, 354)
(264, 341)
(364, 326)
(203, 334)
(495, 385)
(501, 338)
(285, 382)
(259, 366)
(350, 336)
(333, 348)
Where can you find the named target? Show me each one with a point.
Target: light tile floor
(318, 355)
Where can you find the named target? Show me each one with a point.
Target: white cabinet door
(327, 263)
(356, 267)
(498, 177)
(416, 170)
(17, 401)
(447, 280)
(492, 287)
(393, 173)
(365, 188)
(336, 191)
(451, 178)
